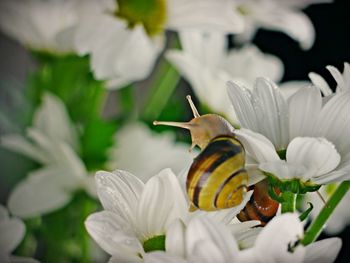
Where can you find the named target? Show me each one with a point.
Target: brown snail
(217, 178)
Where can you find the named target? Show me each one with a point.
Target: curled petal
(317, 154)
(323, 251)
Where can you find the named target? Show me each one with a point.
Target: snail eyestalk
(193, 107)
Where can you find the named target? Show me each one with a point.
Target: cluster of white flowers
(124, 39)
(141, 218)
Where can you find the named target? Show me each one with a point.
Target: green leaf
(69, 78)
(96, 139)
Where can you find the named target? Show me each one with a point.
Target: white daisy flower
(40, 25)
(340, 217)
(137, 215)
(342, 79)
(12, 232)
(284, 16)
(62, 172)
(124, 38)
(205, 240)
(138, 150)
(207, 64)
(311, 137)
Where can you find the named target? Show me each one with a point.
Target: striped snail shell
(217, 178)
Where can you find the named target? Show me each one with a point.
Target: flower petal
(317, 154)
(161, 202)
(215, 233)
(323, 251)
(161, 257)
(175, 242)
(333, 122)
(290, 21)
(319, 82)
(12, 232)
(20, 145)
(272, 112)
(273, 241)
(240, 98)
(304, 107)
(212, 15)
(42, 192)
(258, 146)
(284, 170)
(113, 234)
(119, 192)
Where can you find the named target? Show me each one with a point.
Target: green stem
(126, 100)
(165, 84)
(288, 205)
(317, 225)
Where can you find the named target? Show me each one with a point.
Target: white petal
(237, 61)
(161, 202)
(319, 82)
(175, 239)
(42, 192)
(334, 123)
(304, 107)
(294, 23)
(317, 154)
(52, 114)
(12, 232)
(119, 192)
(272, 243)
(207, 252)
(161, 257)
(338, 78)
(204, 15)
(241, 98)
(323, 251)
(258, 146)
(113, 233)
(202, 228)
(20, 145)
(272, 112)
(289, 88)
(284, 170)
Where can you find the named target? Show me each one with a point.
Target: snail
(217, 178)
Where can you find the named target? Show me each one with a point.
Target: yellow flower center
(151, 14)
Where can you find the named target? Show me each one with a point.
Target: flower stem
(163, 88)
(289, 202)
(317, 225)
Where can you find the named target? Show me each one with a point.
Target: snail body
(217, 178)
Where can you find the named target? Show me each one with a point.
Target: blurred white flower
(207, 64)
(204, 240)
(312, 136)
(12, 232)
(52, 142)
(138, 214)
(124, 38)
(284, 16)
(41, 25)
(342, 80)
(143, 153)
(340, 217)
